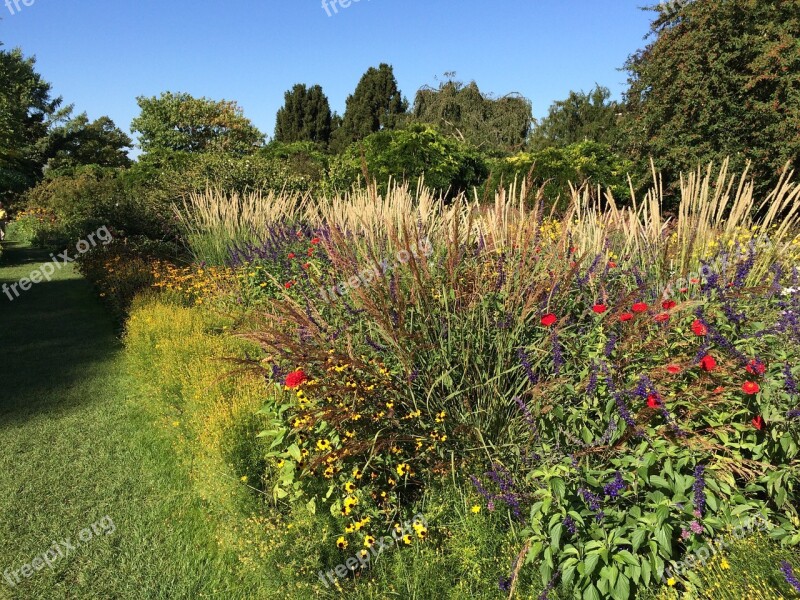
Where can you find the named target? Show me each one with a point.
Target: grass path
(76, 447)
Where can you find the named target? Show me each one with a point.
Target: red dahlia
(639, 307)
(698, 328)
(708, 363)
(750, 387)
(549, 319)
(599, 308)
(296, 378)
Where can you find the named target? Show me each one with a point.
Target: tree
(500, 125)
(376, 104)
(581, 117)
(719, 79)
(304, 117)
(182, 123)
(79, 142)
(26, 110)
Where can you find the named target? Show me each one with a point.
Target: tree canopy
(79, 142)
(375, 104)
(181, 123)
(498, 124)
(581, 117)
(304, 117)
(26, 110)
(718, 79)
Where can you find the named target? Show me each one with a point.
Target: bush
(447, 165)
(589, 163)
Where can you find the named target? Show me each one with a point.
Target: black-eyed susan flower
(350, 528)
(323, 445)
(369, 541)
(407, 539)
(403, 470)
(349, 487)
(422, 532)
(341, 543)
(357, 474)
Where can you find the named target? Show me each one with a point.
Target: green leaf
(591, 593)
(295, 453)
(622, 590)
(589, 564)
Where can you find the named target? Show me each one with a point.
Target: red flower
(661, 318)
(611, 264)
(306, 265)
(668, 304)
(295, 379)
(684, 290)
(719, 389)
(698, 328)
(756, 367)
(625, 317)
(311, 251)
(549, 319)
(674, 369)
(291, 255)
(707, 363)
(694, 280)
(653, 401)
(639, 307)
(288, 284)
(316, 241)
(758, 422)
(599, 308)
(750, 387)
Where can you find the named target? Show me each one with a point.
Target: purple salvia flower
(570, 525)
(698, 488)
(545, 595)
(611, 344)
(790, 384)
(744, 268)
(622, 407)
(591, 387)
(526, 413)
(613, 489)
(789, 575)
(592, 500)
(373, 344)
(526, 364)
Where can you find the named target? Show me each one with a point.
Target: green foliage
(581, 117)
(79, 142)
(491, 124)
(719, 80)
(182, 123)
(375, 104)
(587, 162)
(304, 117)
(409, 154)
(25, 109)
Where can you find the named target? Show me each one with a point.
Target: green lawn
(77, 446)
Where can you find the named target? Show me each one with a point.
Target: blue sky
(102, 55)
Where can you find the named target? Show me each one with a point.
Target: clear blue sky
(101, 55)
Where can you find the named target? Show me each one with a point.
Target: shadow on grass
(50, 336)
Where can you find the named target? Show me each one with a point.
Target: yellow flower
(323, 445)
(244, 479)
(350, 528)
(476, 509)
(369, 541)
(350, 487)
(403, 470)
(725, 564)
(671, 582)
(341, 543)
(407, 540)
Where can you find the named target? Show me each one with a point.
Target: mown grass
(78, 444)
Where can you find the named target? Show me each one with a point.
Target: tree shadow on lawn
(51, 337)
